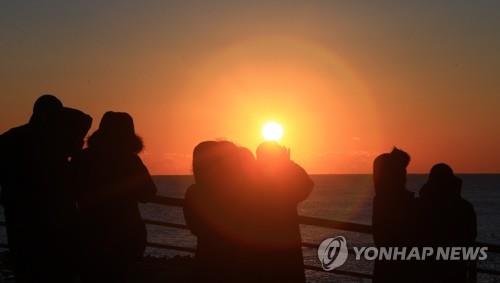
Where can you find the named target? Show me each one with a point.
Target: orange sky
(347, 81)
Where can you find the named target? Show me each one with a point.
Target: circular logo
(332, 252)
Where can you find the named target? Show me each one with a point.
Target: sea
(337, 197)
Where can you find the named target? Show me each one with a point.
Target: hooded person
(65, 139)
(111, 180)
(283, 185)
(394, 218)
(24, 154)
(220, 211)
(448, 220)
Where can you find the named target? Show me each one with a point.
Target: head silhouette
(272, 152)
(220, 164)
(442, 182)
(71, 128)
(116, 133)
(211, 161)
(441, 172)
(44, 107)
(246, 165)
(389, 171)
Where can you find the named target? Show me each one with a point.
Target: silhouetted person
(111, 180)
(393, 219)
(66, 138)
(244, 214)
(283, 185)
(24, 153)
(448, 221)
(219, 211)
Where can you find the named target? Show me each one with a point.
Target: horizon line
(323, 174)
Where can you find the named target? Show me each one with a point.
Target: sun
(272, 131)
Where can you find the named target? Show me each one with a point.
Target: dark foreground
(149, 270)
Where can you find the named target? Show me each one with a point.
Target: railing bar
(309, 245)
(315, 246)
(488, 271)
(170, 247)
(340, 272)
(306, 220)
(167, 224)
(327, 223)
(491, 247)
(315, 221)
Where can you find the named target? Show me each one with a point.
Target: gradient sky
(347, 79)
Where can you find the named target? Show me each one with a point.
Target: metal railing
(304, 220)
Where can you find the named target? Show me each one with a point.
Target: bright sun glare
(272, 131)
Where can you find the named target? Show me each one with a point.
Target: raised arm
(299, 182)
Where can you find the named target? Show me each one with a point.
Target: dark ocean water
(337, 197)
